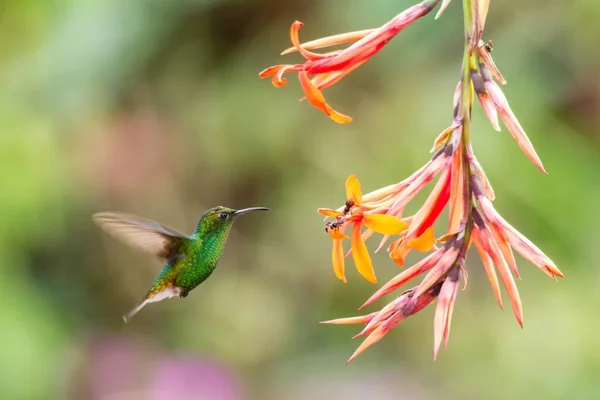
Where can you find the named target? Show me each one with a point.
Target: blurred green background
(155, 108)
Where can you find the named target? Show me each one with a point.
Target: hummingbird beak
(245, 210)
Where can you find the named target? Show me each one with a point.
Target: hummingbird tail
(127, 317)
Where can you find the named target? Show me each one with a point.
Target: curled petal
(278, 80)
(328, 41)
(353, 190)
(309, 55)
(317, 100)
(384, 224)
(268, 72)
(276, 73)
(338, 259)
(360, 254)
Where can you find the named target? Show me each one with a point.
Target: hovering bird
(190, 260)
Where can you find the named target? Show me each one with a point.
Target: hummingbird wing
(143, 234)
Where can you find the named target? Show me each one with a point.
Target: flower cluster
(329, 68)
(462, 186)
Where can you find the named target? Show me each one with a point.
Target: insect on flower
(357, 213)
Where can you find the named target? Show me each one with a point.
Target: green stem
(465, 112)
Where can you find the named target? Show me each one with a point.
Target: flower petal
(486, 59)
(517, 241)
(353, 190)
(328, 212)
(386, 312)
(360, 254)
(424, 242)
(486, 187)
(317, 100)
(443, 311)
(489, 109)
(489, 267)
(330, 41)
(513, 125)
(456, 193)
(506, 251)
(494, 252)
(444, 264)
(337, 259)
(323, 81)
(336, 234)
(445, 3)
(309, 55)
(398, 251)
(373, 338)
(384, 224)
(441, 138)
(408, 274)
(363, 319)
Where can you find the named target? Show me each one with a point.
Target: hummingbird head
(220, 219)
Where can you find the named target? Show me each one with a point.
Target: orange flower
(329, 68)
(357, 214)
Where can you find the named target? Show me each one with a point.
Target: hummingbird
(189, 260)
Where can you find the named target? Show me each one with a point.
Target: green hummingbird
(189, 260)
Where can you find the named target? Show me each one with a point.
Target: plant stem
(465, 112)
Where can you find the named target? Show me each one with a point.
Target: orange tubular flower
(357, 213)
(329, 68)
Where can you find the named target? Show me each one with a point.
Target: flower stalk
(461, 186)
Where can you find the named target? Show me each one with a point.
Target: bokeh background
(155, 108)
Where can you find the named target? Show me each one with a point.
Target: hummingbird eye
(223, 215)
